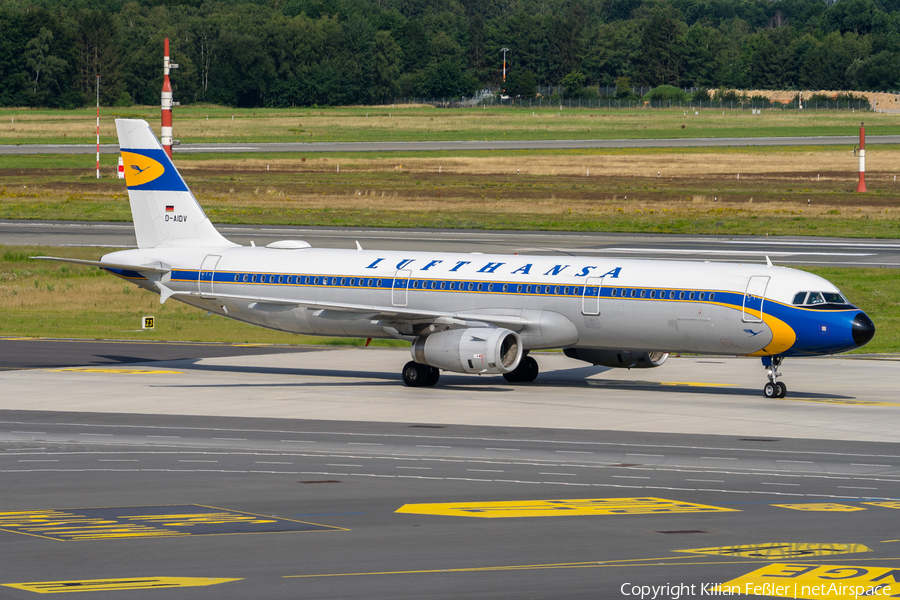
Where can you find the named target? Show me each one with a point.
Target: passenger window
(643, 293)
(712, 296)
(556, 290)
(528, 289)
(479, 287)
(702, 295)
(681, 295)
(815, 298)
(505, 287)
(246, 277)
(691, 296)
(632, 293)
(471, 286)
(369, 283)
(377, 283)
(653, 293)
(519, 288)
(613, 292)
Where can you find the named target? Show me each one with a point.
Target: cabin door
(208, 273)
(400, 291)
(753, 299)
(590, 300)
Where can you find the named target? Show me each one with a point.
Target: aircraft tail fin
(165, 212)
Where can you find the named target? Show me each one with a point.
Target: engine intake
(471, 350)
(619, 359)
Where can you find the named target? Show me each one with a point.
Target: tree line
(281, 53)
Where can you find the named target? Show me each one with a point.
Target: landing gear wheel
(781, 392)
(770, 390)
(419, 375)
(526, 372)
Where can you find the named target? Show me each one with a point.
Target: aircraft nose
(863, 329)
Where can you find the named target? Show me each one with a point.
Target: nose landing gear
(773, 389)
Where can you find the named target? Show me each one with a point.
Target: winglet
(358, 247)
(768, 262)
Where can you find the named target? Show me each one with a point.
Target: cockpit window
(816, 298)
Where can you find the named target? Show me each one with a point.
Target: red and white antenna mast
(167, 104)
(98, 127)
(862, 159)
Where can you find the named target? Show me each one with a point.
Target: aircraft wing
(105, 265)
(339, 310)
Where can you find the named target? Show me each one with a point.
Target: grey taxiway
(316, 474)
(283, 472)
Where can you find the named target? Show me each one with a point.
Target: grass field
(43, 299)
(403, 123)
(775, 191)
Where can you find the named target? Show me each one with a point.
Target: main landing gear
(526, 372)
(773, 389)
(419, 375)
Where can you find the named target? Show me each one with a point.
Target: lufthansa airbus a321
(474, 313)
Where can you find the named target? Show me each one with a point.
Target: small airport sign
(148, 322)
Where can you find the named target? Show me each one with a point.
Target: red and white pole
(98, 127)
(166, 131)
(862, 159)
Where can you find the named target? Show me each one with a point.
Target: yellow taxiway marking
(885, 504)
(674, 561)
(560, 508)
(821, 507)
(817, 582)
(696, 384)
(575, 565)
(780, 551)
(103, 585)
(123, 371)
(146, 522)
(847, 401)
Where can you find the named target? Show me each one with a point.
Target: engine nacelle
(619, 359)
(471, 350)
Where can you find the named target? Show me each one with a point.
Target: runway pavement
(787, 251)
(343, 483)
(830, 140)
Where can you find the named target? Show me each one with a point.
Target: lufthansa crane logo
(140, 169)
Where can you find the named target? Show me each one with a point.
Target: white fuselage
(587, 302)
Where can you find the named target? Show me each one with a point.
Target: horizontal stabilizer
(105, 265)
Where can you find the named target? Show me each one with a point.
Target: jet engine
(471, 350)
(619, 359)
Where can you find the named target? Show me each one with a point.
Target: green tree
(522, 84)
(45, 68)
(386, 78)
(660, 58)
(100, 54)
(574, 84)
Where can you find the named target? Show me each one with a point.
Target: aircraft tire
(526, 372)
(770, 390)
(416, 375)
(781, 392)
(531, 369)
(433, 377)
